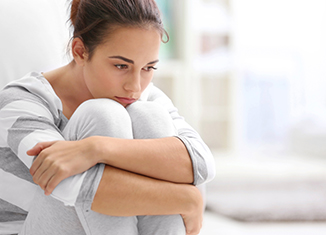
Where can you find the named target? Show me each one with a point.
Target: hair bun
(74, 11)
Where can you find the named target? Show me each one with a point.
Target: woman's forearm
(122, 193)
(165, 158)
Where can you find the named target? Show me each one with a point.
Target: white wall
(34, 36)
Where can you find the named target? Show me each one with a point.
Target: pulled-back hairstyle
(94, 20)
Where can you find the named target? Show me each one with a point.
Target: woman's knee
(103, 106)
(102, 117)
(150, 120)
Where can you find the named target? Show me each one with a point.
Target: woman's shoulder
(33, 86)
(33, 82)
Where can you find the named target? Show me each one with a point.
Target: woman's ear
(79, 51)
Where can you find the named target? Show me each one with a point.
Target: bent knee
(150, 120)
(103, 110)
(103, 117)
(102, 107)
(148, 111)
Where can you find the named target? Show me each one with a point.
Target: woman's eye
(121, 66)
(149, 68)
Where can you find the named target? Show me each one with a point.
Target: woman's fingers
(48, 176)
(36, 150)
(48, 191)
(39, 147)
(42, 173)
(55, 180)
(50, 171)
(37, 164)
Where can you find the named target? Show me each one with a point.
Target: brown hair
(94, 20)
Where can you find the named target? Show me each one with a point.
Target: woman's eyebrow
(122, 58)
(129, 60)
(153, 62)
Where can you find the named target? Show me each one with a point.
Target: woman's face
(122, 68)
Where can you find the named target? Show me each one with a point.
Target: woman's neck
(68, 84)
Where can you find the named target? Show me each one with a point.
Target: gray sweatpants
(104, 117)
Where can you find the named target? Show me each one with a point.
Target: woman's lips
(126, 101)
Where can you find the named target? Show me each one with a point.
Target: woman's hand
(193, 220)
(193, 223)
(58, 160)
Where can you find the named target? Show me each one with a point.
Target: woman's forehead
(130, 42)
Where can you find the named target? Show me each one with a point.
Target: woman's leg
(49, 216)
(151, 120)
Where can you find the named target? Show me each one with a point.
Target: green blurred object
(168, 49)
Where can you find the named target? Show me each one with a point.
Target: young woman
(99, 137)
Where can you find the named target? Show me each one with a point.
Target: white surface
(218, 225)
(269, 166)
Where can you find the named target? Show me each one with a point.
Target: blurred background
(249, 75)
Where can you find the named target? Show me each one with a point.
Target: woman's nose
(133, 83)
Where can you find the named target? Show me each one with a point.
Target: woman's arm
(123, 193)
(201, 156)
(164, 158)
(132, 194)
